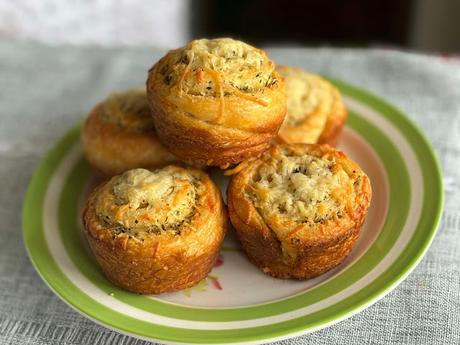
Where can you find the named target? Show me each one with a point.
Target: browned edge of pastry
(334, 124)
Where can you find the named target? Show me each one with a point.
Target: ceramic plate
(237, 303)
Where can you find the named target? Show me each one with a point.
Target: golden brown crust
(292, 230)
(115, 140)
(315, 110)
(334, 123)
(212, 115)
(137, 252)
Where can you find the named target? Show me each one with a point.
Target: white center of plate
(243, 284)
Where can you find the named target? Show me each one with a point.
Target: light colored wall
(103, 22)
(165, 23)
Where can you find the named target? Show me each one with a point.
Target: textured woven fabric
(44, 91)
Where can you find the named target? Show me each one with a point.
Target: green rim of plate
(398, 178)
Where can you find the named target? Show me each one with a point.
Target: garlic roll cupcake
(216, 102)
(298, 209)
(315, 111)
(119, 135)
(156, 231)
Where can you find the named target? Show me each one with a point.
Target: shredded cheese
(142, 201)
(301, 188)
(240, 66)
(128, 110)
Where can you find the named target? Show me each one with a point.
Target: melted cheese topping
(141, 202)
(300, 188)
(306, 94)
(216, 67)
(129, 110)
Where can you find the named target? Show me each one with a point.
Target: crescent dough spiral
(216, 102)
(156, 231)
(119, 135)
(315, 111)
(298, 209)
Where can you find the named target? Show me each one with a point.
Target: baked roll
(315, 111)
(156, 231)
(216, 102)
(119, 135)
(298, 209)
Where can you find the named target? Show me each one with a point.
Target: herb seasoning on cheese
(302, 188)
(140, 201)
(129, 110)
(210, 66)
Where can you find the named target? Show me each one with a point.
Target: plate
(237, 303)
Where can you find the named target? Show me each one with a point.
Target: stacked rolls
(296, 206)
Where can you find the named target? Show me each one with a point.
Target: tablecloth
(45, 90)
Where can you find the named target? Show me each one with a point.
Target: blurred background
(426, 25)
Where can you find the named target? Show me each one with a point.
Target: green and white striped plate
(237, 303)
